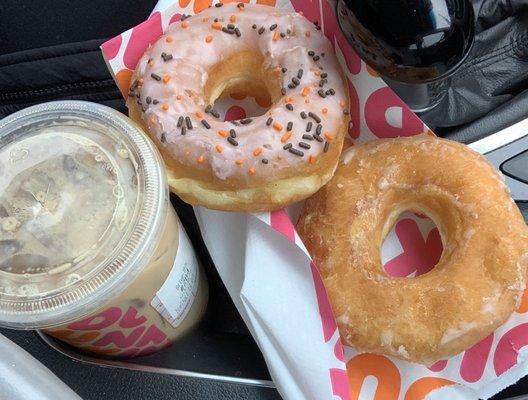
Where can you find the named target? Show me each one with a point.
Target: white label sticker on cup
(176, 296)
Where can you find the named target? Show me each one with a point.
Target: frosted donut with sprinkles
(253, 164)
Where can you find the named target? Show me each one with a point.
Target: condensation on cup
(91, 250)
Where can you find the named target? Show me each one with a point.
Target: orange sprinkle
(288, 99)
(150, 62)
(277, 126)
(219, 148)
(307, 33)
(198, 114)
(165, 107)
(179, 97)
(223, 133)
(276, 36)
(152, 120)
(205, 19)
(168, 39)
(208, 38)
(252, 170)
(217, 25)
(329, 136)
(312, 159)
(140, 81)
(185, 24)
(232, 18)
(239, 161)
(166, 78)
(286, 137)
(257, 151)
(306, 91)
(279, 158)
(342, 103)
(200, 159)
(324, 110)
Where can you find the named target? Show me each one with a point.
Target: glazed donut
(252, 164)
(479, 279)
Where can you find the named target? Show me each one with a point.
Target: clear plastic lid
(82, 198)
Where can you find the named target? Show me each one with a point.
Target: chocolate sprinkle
(240, 5)
(273, 27)
(346, 112)
(237, 32)
(316, 58)
(326, 146)
(232, 133)
(131, 94)
(304, 145)
(232, 141)
(269, 121)
(264, 161)
(155, 101)
(315, 117)
(321, 93)
(289, 106)
(218, 5)
(282, 35)
(322, 82)
(180, 122)
(288, 31)
(148, 100)
(309, 126)
(303, 115)
(254, 26)
(296, 152)
(319, 129)
(261, 30)
(188, 122)
(283, 91)
(246, 121)
(230, 26)
(166, 57)
(296, 81)
(307, 137)
(324, 75)
(215, 113)
(134, 85)
(284, 69)
(156, 77)
(163, 138)
(183, 130)
(311, 53)
(287, 146)
(206, 124)
(291, 85)
(317, 137)
(300, 73)
(289, 126)
(329, 92)
(229, 31)
(208, 108)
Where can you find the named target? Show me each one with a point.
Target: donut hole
(241, 86)
(413, 245)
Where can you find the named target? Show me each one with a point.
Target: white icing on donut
(194, 46)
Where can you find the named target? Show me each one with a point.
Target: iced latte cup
(91, 250)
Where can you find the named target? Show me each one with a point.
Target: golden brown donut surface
(479, 279)
(259, 163)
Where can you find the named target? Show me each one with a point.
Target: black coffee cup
(415, 45)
